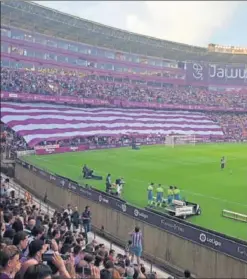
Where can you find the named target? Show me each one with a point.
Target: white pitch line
(144, 182)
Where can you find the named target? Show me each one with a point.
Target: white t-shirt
(119, 188)
(69, 212)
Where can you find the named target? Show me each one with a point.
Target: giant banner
(216, 74)
(209, 239)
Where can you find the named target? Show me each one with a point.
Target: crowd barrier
(232, 247)
(97, 102)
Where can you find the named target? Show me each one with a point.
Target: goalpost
(173, 140)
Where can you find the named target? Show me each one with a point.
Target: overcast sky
(197, 23)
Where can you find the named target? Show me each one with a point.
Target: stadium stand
(47, 214)
(91, 87)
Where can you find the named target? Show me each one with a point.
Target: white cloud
(186, 22)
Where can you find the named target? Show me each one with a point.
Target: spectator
(31, 223)
(36, 249)
(17, 225)
(112, 255)
(38, 271)
(9, 220)
(9, 233)
(21, 241)
(75, 218)
(69, 211)
(86, 220)
(187, 274)
(9, 261)
(136, 247)
(98, 262)
(109, 272)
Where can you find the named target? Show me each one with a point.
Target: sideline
(92, 236)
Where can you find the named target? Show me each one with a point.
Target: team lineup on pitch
(196, 170)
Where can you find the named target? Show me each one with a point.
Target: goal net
(174, 140)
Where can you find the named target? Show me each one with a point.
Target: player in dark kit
(222, 163)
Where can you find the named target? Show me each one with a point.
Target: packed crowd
(11, 142)
(64, 83)
(34, 245)
(234, 125)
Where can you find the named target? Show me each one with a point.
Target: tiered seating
(75, 84)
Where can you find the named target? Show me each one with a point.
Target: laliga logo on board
(203, 238)
(136, 212)
(100, 198)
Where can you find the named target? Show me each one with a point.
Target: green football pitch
(194, 169)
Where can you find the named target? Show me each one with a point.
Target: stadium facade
(34, 36)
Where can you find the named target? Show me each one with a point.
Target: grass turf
(194, 169)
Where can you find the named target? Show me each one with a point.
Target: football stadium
(158, 125)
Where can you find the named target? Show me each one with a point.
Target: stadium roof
(33, 17)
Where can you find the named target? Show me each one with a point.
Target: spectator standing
(136, 246)
(75, 218)
(69, 211)
(86, 221)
